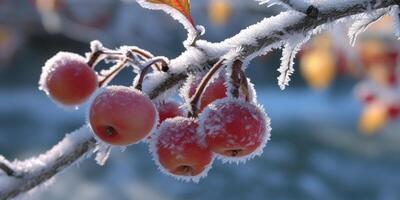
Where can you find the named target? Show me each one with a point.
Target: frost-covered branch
(254, 41)
(30, 173)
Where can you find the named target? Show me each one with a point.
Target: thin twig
(202, 86)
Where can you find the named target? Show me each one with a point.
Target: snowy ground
(315, 153)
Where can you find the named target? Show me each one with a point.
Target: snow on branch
(22, 176)
(366, 20)
(30, 173)
(395, 13)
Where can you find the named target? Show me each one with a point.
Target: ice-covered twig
(254, 41)
(35, 171)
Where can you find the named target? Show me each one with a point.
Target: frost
(273, 2)
(289, 52)
(251, 35)
(252, 91)
(177, 66)
(395, 13)
(362, 24)
(70, 143)
(220, 118)
(96, 45)
(31, 169)
(186, 91)
(153, 81)
(287, 4)
(102, 152)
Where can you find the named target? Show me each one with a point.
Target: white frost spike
(289, 52)
(102, 151)
(273, 2)
(362, 24)
(395, 13)
(96, 45)
(176, 145)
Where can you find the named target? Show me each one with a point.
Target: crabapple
(68, 79)
(121, 115)
(367, 97)
(178, 150)
(392, 79)
(215, 90)
(234, 128)
(318, 68)
(373, 118)
(394, 111)
(168, 109)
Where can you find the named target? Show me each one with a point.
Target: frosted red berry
(168, 109)
(394, 111)
(121, 115)
(67, 79)
(215, 90)
(178, 149)
(234, 128)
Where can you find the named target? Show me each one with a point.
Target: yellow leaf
(182, 6)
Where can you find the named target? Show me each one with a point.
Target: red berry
(365, 94)
(234, 129)
(392, 79)
(68, 79)
(167, 110)
(394, 111)
(178, 151)
(215, 90)
(122, 116)
(368, 98)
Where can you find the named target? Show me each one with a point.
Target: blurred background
(336, 130)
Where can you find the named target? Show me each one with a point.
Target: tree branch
(253, 41)
(4, 167)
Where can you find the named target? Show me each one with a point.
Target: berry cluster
(219, 116)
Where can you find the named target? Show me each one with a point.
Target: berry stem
(146, 55)
(95, 57)
(244, 85)
(200, 89)
(235, 78)
(147, 68)
(116, 69)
